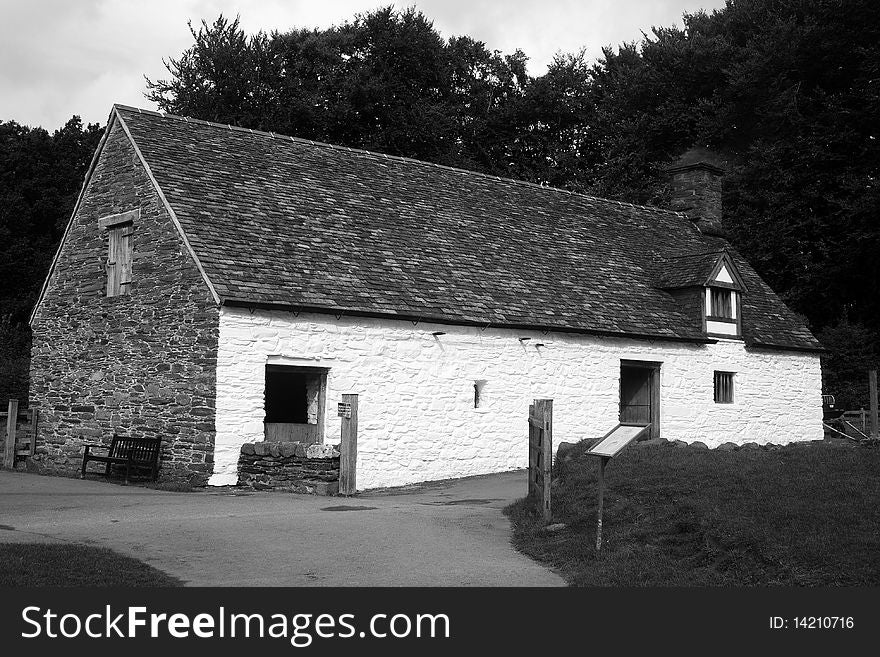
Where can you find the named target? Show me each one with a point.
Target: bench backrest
(140, 449)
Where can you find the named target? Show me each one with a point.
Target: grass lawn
(801, 515)
(42, 564)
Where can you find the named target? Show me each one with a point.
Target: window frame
(720, 326)
(724, 387)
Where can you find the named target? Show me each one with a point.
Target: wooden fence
(541, 453)
(19, 433)
(855, 424)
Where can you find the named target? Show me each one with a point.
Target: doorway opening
(294, 404)
(640, 395)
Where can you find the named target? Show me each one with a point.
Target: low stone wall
(289, 466)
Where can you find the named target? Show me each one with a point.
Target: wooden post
(872, 390)
(34, 413)
(546, 408)
(602, 461)
(533, 458)
(11, 419)
(348, 448)
(541, 454)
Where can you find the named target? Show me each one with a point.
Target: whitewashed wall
(416, 416)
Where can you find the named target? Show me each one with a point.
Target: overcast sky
(65, 57)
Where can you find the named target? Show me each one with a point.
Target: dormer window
(721, 312)
(723, 289)
(721, 303)
(706, 284)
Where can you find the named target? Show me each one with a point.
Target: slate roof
(280, 221)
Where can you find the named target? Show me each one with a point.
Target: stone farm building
(216, 285)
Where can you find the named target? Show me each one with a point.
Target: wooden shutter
(124, 259)
(119, 260)
(113, 263)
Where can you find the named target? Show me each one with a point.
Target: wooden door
(636, 394)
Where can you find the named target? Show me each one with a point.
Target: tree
(548, 138)
(225, 76)
(384, 81)
(786, 91)
(40, 179)
(852, 349)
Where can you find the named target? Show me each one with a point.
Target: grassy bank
(42, 564)
(683, 516)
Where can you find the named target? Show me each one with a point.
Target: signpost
(611, 444)
(348, 411)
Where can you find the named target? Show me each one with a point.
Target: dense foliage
(786, 91)
(40, 178)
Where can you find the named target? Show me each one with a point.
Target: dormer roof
(706, 269)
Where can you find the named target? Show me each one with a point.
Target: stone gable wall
(142, 364)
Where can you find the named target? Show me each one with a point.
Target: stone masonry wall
(138, 365)
(416, 415)
(290, 466)
(697, 193)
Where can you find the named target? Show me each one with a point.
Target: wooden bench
(138, 453)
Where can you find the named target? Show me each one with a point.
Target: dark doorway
(640, 395)
(294, 403)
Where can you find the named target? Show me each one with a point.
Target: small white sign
(344, 410)
(618, 438)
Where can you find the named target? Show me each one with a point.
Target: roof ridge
(691, 255)
(399, 158)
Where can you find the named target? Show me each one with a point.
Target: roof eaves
(451, 321)
(786, 347)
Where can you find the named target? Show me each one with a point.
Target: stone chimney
(695, 179)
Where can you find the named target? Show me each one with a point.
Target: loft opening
(295, 400)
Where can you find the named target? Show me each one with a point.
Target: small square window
(724, 387)
(721, 303)
(479, 394)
